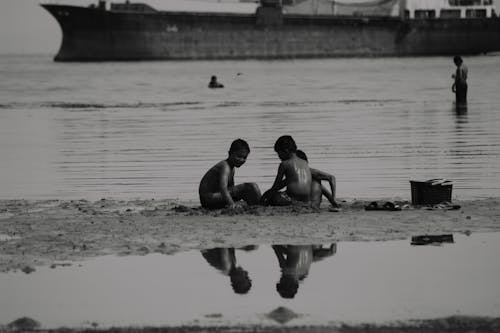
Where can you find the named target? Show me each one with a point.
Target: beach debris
(181, 209)
(24, 324)
(213, 315)
(439, 181)
(28, 269)
(432, 239)
(282, 315)
(143, 250)
(63, 264)
(445, 205)
(388, 206)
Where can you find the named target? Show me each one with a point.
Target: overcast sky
(25, 27)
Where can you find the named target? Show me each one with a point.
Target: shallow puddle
(348, 281)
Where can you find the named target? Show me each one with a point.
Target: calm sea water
(151, 129)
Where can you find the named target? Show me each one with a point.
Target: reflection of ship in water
(277, 29)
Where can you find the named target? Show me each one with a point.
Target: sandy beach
(35, 233)
(57, 232)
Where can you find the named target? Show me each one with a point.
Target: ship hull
(91, 34)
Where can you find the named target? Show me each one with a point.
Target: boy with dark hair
(293, 173)
(217, 189)
(318, 176)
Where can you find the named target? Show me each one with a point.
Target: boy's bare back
(215, 177)
(298, 178)
(293, 173)
(218, 178)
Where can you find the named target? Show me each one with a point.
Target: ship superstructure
(278, 29)
(409, 9)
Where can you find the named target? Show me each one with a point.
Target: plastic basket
(424, 193)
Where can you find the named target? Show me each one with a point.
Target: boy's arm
(329, 196)
(224, 183)
(279, 250)
(279, 181)
(320, 175)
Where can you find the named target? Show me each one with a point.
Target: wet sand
(34, 233)
(455, 324)
(58, 232)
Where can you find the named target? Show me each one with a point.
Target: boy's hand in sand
(237, 206)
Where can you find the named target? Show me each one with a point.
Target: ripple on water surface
(375, 124)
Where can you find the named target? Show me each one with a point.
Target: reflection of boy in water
(295, 262)
(224, 260)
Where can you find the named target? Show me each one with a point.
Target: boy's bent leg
(316, 193)
(329, 196)
(213, 201)
(249, 192)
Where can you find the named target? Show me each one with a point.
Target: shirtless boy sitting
(293, 173)
(318, 176)
(217, 189)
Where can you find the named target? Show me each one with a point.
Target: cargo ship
(277, 29)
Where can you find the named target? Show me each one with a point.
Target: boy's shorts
(284, 199)
(281, 199)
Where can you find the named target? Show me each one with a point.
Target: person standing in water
(459, 87)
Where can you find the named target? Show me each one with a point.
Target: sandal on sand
(391, 207)
(372, 206)
(334, 209)
(444, 206)
(388, 206)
